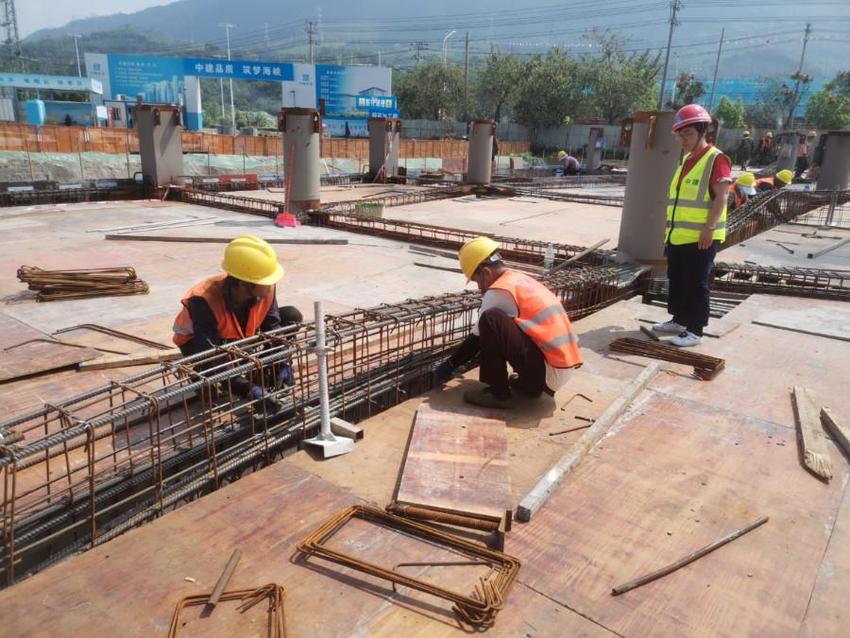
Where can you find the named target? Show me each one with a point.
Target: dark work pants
(688, 269)
(502, 342)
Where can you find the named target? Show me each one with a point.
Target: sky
(39, 14)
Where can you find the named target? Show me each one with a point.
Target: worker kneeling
(520, 322)
(236, 304)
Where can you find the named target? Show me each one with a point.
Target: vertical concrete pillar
(384, 140)
(834, 171)
(160, 142)
(194, 112)
(786, 150)
(302, 129)
(480, 165)
(653, 156)
(595, 146)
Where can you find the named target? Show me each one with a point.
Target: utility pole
(311, 28)
(77, 37)
(716, 67)
(675, 6)
(11, 39)
(466, 78)
(227, 28)
(419, 47)
(796, 98)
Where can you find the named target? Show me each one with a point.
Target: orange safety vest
(765, 180)
(543, 318)
(229, 328)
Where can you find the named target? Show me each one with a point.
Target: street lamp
(445, 46)
(227, 28)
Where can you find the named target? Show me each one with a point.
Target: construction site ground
(689, 462)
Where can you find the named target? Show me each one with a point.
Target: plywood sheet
(457, 461)
(821, 321)
(36, 357)
(673, 477)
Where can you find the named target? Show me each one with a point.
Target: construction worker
(741, 191)
(780, 180)
(744, 152)
(236, 304)
(696, 225)
(805, 150)
(571, 164)
(766, 150)
(520, 322)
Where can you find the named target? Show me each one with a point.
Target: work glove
(265, 402)
(444, 371)
(285, 376)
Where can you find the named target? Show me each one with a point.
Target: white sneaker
(669, 327)
(686, 339)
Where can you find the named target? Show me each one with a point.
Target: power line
(675, 5)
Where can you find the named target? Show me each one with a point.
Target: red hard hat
(689, 115)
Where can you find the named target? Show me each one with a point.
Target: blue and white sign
(376, 103)
(340, 87)
(236, 69)
(51, 82)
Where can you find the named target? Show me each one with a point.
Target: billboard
(160, 79)
(341, 86)
(51, 82)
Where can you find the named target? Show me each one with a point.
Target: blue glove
(444, 372)
(285, 376)
(256, 393)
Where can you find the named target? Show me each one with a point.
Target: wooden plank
(223, 240)
(456, 463)
(810, 435)
(839, 431)
(535, 499)
(140, 358)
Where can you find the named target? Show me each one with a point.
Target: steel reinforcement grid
(777, 207)
(95, 465)
(771, 280)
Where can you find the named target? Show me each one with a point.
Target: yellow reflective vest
(689, 203)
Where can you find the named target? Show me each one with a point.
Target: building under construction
(698, 492)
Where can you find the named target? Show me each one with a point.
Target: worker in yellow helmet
(744, 152)
(236, 304)
(743, 188)
(780, 180)
(570, 164)
(520, 323)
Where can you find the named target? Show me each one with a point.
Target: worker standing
(741, 191)
(696, 225)
(780, 180)
(765, 154)
(236, 304)
(571, 164)
(805, 151)
(520, 323)
(744, 152)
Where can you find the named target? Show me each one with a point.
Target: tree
(730, 114)
(771, 105)
(549, 91)
(497, 84)
(688, 90)
(429, 91)
(618, 84)
(829, 108)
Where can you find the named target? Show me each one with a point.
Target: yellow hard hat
(769, 134)
(747, 182)
(746, 133)
(474, 252)
(785, 176)
(812, 134)
(251, 259)
(562, 154)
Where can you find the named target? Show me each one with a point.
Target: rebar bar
(784, 280)
(705, 367)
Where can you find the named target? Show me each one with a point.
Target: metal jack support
(329, 444)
